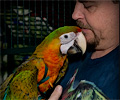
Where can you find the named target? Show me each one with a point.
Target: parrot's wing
(24, 83)
(62, 71)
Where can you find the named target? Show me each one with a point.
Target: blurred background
(24, 24)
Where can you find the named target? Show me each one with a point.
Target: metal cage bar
(41, 19)
(29, 26)
(23, 26)
(17, 26)
(58, 13)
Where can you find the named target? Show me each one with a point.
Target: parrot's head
(72, 41)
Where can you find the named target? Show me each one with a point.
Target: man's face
(99, 21)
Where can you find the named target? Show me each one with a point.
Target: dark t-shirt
(103, 72)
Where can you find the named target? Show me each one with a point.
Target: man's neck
(101, 53)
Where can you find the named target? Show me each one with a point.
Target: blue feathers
(6, 92)
(44, 78)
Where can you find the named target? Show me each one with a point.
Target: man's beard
(91, 45)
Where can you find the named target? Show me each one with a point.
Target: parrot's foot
(41, 98)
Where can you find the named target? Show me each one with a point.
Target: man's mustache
(82, 26)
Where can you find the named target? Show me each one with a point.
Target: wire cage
(24, 24)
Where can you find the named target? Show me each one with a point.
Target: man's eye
(90, 8)
(87, 7)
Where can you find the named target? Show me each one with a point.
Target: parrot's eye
(66, 36)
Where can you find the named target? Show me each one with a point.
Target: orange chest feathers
(54, 60)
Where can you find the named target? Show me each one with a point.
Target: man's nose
(78, 11)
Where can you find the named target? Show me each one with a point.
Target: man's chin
(92, 43)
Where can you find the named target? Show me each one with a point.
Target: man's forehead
(87, 1)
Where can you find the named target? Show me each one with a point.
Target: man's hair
(115, 1)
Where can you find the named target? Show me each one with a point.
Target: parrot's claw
(50, 84)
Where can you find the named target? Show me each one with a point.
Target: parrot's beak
(79, 45)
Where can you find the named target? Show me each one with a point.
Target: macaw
(83, 90)
(45, 67)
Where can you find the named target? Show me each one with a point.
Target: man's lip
(85, 29)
